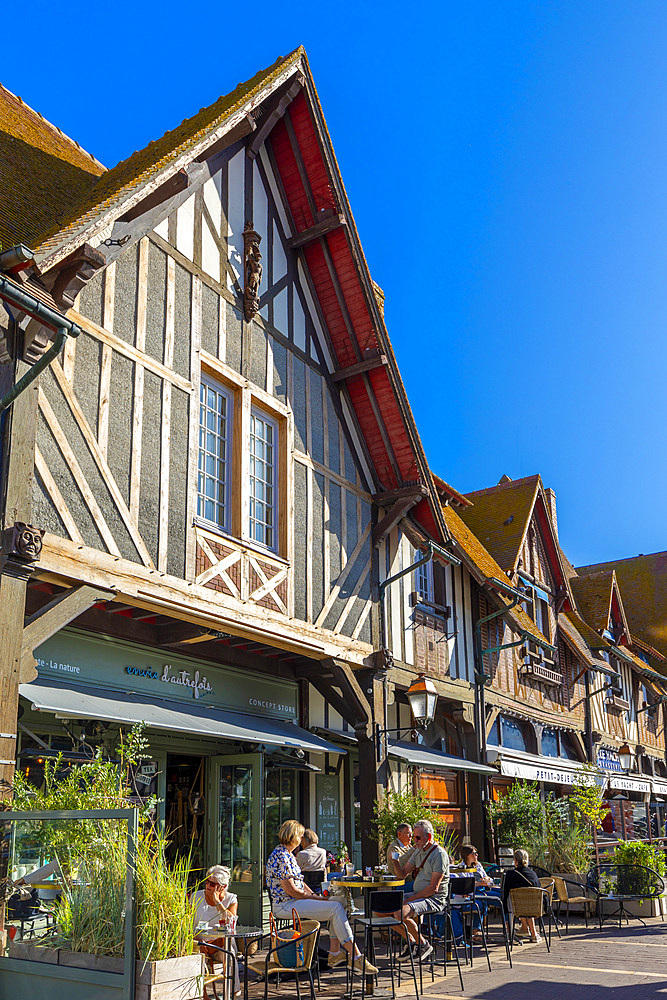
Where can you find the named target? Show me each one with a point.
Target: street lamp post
(423, 698)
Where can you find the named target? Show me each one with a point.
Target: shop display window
(280, 801)
(550, 742)
(514, 734)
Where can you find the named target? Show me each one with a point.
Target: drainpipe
(431, 550)
(29, 304)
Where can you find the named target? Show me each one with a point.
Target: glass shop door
(237, 791)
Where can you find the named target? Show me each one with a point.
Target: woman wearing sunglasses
(215, 905)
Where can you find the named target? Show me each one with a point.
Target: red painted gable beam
(346, 351)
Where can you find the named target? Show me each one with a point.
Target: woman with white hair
(214, 904)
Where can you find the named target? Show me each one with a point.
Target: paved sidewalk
(630, 964)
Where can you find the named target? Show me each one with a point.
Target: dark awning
(422, 756)
(74, 702)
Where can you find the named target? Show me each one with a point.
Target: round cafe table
(214, 934)
(367, 884)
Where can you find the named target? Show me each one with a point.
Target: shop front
(627, 797)
(226, 748)
(445, 780)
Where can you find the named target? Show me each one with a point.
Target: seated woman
(214, 904)
(521, 877)
(312, 860)
(288, 891)
(470, 858)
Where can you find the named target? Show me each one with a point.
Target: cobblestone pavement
(627, 964)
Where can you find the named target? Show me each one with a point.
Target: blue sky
(506, 164)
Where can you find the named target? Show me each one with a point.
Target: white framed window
(424, 581)
(263, 483)
(214, 464)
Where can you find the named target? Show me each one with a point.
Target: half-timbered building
(212, 466)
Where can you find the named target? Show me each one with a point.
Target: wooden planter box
(169, 979)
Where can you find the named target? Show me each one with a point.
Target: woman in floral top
(288, 892)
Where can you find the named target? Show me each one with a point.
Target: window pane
(213, 448)
(262, 480)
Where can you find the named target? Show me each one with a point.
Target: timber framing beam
(352, 692)
(373, 359)
(321, 228)
(403, 501)
(274, 117)
(59, 612)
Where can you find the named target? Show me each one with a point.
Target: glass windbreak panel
(657, 819)
(236, 820)
(612, 824)
(513, 736)
(549, 743)
(64, 881)
(636, 821)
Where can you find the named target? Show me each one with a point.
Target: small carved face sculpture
(28, 540)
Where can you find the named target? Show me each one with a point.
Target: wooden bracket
(51, 618)
(403, 501)
(373, 359)
(326, 225)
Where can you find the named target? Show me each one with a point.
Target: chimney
(551, 504)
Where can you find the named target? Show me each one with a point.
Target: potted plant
(90, 911)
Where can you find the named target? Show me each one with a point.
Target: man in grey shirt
(428, 863)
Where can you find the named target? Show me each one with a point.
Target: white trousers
(319, 909)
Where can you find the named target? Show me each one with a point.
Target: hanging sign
(608, 760)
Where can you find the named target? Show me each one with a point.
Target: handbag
(292, 957)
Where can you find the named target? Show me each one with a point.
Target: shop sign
(535, 772)
(629, 784)
(659, 787)
(608, 760)
(72, 656)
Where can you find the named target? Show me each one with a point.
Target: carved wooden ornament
(26, 541)
(252, 266)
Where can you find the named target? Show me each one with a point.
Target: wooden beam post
(18, 449)
(59, 612)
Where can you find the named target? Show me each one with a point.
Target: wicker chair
(527, 903)
(269, 963)
(563, 895)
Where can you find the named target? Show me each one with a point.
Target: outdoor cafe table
(246, 933)
(368, 884)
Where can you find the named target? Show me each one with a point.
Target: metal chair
(528, 903)
(548, 886)
(563, 896)
(623, 884)
(383, 901)
(227, 973)
(439, 927)
(468, 907)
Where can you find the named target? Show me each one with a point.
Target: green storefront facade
(228, 760)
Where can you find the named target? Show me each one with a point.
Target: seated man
(399, 847)
(428, 865)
